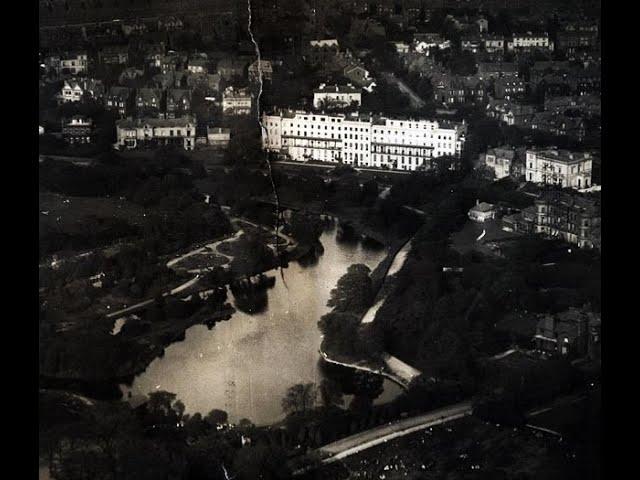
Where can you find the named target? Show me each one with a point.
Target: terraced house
(153, 132)
(362, 141)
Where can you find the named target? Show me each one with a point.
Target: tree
(300, 398)
(267, 462)
(216, 417)
(354, 291)
(330, 393)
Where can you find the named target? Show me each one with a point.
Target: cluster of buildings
(369, 141)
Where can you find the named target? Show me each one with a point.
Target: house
(130, 74)
(74, 63)
(114, 55)
(509, 88)
(170, 24)
(422, 42)
(198, 65)
(134, 28)
(228, 68)
(210, 82)
(530, 41)
(493, 43)
(148, 101)
(559, 167)
(482, 24)
(78, 130)
(482, 211)
(236, 101)
(559, 124)
(401, 47)
(470, 44)
(218, 137)
(510, 112)
(152, 132)
(575, 218)
(358, 74)
(321, 52)
(260, 69)
(495, 70)
(178, 102)
(75, 90)
(172, 62)
(457, 89)
(165, 80)
(500, 160)
(336, 96)
(573, 333)
(586, 105)
(118, 99)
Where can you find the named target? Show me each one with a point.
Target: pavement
(362, 441)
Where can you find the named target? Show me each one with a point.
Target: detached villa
(151, 132)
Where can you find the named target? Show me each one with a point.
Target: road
(80, 161)
(416, 101)
(332, 166)
(384, 433)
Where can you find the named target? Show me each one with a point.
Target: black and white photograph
(319, 239)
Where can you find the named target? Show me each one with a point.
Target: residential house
(260, 69)
(74, 63)
(321, 52)
(482, 24)
(401, 47)
(422, 42)
(530, 41)
(510, 112)
(482, 211)
(470, 44)
(500, 160)
(114, 55)
(198, 65)
(130, 75)
(493, 43)
(210, 82)
(165, 80)
(170, 24)
(172, 62)
(178, 102)
(457, 90)
(559, 167)
(575, 218)
(228, 68)
(358, 74)
(509, 88)
(76, 90)
(134, 28)
(336, 96)
(152, 132)
(118, 99)
(586, 105)
(573, 333)
(148, 102)
(218, 137)
(236, 101)
(77, 130)
(495, 70)
(559, 124)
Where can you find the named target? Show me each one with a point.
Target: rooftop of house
(178, 94)
(149, 93)
(119, 91)
(349, 88)
(218, 130)
(482, 207)
(128, 123)
(564, 156)
(497, 67)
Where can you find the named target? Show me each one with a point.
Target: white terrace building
(359, 141)
(336, 96)
(559, 167)
(151, 132)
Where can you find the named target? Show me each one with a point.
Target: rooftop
(185, 121)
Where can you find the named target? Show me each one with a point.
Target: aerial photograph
(318, 239)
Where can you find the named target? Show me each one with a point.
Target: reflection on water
(246, 365)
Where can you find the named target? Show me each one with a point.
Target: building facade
(152, 132)
(573, 218)
(500, 160)
(336, 96)
(78, 130)
(74, 63)
(559, 167)
(359, 141)
(236, 101)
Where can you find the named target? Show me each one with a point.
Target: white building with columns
(559, 167)
(379, 142)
